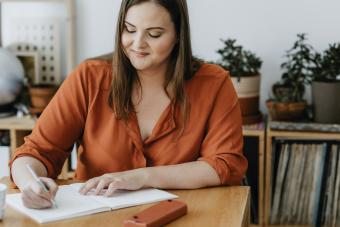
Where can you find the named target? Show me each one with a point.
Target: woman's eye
(129, 30)
(154, 35)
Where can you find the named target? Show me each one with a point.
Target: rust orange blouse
(79, 112)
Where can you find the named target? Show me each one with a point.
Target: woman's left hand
(129, 180)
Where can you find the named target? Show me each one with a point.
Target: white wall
(264, 26)
(96, 25)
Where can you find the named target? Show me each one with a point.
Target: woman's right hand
(34, 196)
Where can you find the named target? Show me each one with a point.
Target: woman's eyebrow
(147, 28)
(129, 23)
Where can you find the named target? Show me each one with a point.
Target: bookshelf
(254, 149)
(273, 136)
(19, 128)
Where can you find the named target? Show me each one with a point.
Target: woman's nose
(139, 41)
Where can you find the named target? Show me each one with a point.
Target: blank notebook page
(69, 204)
(125, 198)
(72, 204)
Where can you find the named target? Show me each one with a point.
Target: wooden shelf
(15, 123)
(258, 131)
(304, 135)
(19, 128)
(271, 135)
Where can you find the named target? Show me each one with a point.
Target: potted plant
(244, 67)
(288, 102)
(40, 96)
(36, 96)
(326, 86)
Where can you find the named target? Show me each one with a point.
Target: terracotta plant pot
(40, 96)
(248, 92)
(283, 111)
(249, 105)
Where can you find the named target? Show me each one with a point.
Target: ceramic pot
(40, 96)
(248, 91)
(326, 104)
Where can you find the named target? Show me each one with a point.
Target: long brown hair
(182, 65)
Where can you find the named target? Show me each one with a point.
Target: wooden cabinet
(271, 137)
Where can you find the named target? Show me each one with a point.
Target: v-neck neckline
(164, 125)
(166, 115)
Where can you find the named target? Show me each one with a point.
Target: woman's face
(149, 36)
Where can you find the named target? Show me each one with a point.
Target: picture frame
(30, 62)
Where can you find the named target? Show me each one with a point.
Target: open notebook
(71, 204)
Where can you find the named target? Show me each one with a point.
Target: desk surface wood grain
(217, 206)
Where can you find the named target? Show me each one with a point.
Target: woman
(152, 117)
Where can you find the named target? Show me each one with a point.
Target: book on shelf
(303, 212)
(318, 180)
(302, 150)
(282, 166)
(336, 206)
(328, 214)
(303, 199)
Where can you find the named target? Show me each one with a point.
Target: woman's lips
(139, 53)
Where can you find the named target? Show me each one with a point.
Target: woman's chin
(140, 67)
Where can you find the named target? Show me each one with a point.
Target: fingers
(38, 189)
(51, 186)
(92, 183)
(113, 186)
(33, 200)
(101, 185)
(130, 180)
(34, 196)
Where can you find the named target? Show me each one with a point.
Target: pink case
(158, 215)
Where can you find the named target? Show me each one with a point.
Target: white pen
(42, 185)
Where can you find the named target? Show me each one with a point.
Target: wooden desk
(218, 206)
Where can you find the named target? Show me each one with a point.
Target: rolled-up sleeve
(60, 124)
(223, 143)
